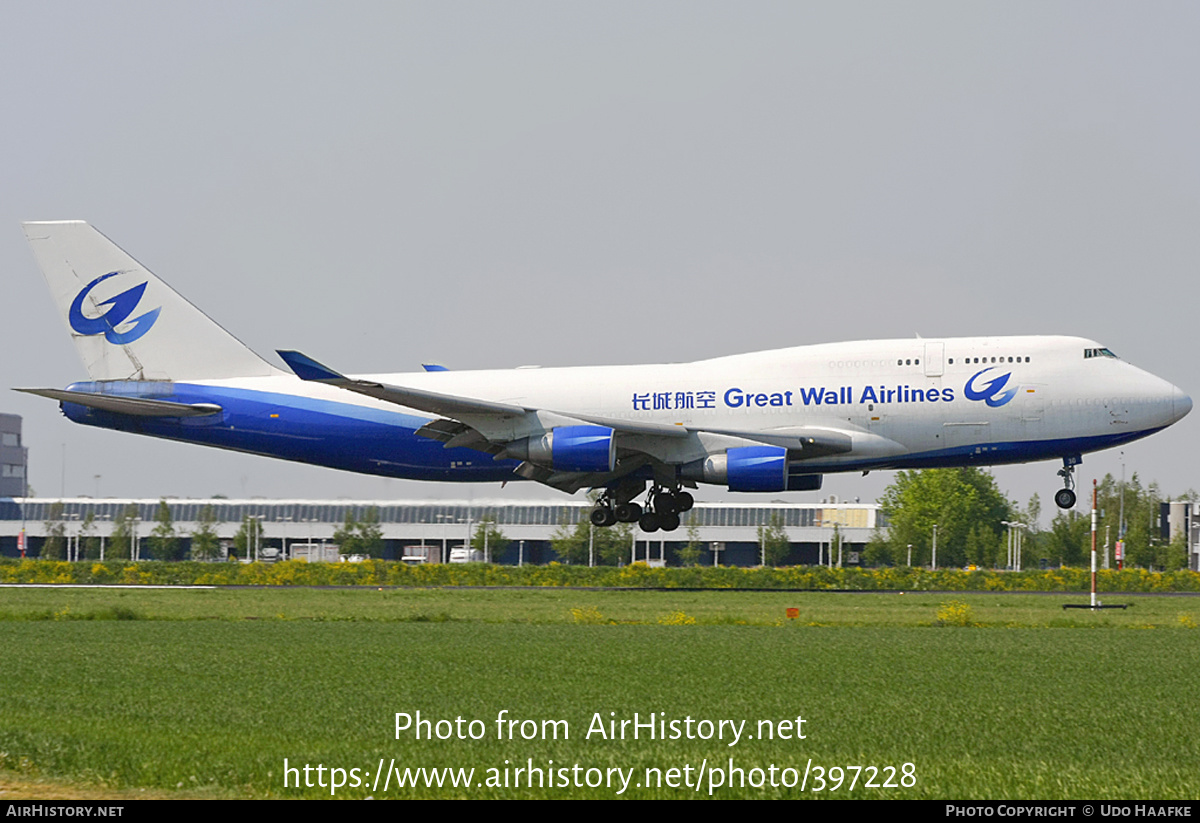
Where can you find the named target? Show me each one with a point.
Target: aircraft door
(935, 354)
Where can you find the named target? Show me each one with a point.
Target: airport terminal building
(430, 530)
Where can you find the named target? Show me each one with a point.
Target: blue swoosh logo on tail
(120, 307)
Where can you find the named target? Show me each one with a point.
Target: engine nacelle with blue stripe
(744, 469)
(569, 449)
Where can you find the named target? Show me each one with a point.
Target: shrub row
(386, 573)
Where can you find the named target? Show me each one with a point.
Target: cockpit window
(1098, 353)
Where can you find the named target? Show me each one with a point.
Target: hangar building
(429, 530)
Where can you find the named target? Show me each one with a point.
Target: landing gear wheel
(649, 522)
(665, 503)
(627, 512)
(602, 516)
(669, 522)
(1065, 498)
(684, 501)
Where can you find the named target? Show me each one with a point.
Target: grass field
(204, 693)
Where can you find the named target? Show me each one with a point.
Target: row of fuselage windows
(997, 360)
(916, 361)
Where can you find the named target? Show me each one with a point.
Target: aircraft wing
(504, 430)
(434, 402)
(454, 406)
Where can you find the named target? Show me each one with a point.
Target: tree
(1139, 528)
(248, 537)
(346, 536)
(571, 543)
(370, 533)
(954, 499)
(164, 544)
(1069, 539)
(364, 537)
(1141, 535)
(55, 545)
(1173, 556)
(1129, 511)
(122, 534)
(689, 553)
(611, 545)
(90, 542)
(1031, 538)
(488, 539)
(982, 546)
(773, 542)
(1033, 513)
(205, 545)
(878, 551)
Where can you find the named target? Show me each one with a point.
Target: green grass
(555, 605)
(193, 696)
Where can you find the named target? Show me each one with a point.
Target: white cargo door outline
(1031, 408)
(935, 355)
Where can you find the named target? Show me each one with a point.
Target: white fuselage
(913, 393)
(903, 402)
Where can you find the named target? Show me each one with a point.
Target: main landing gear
(1064, 498)
(662, 510)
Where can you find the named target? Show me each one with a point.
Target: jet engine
(743, 469)
(569, 449)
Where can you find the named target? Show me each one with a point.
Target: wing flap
(802, 442)
(453, 434)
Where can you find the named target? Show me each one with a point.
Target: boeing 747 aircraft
(763, 422)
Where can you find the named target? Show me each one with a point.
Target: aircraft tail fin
(128, 324)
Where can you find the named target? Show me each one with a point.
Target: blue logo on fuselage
(121, 307)
(991, 391)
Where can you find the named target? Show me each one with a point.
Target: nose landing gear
(1064, 498)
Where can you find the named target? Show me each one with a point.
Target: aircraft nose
(1181, 404)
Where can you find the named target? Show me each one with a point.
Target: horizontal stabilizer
(135, 406)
